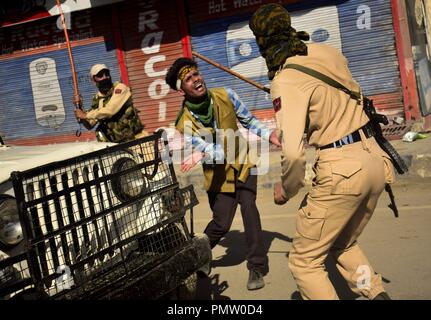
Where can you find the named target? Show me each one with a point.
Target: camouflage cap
(97, 68)
(269, 19)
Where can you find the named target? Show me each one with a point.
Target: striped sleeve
(214, 151)
(246, 118)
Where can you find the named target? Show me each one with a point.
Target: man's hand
(80, 114)
(82, 118)
(191, 161)
(275, 137)
(278, 194)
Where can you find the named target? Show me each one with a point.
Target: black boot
(204, 271)
(255, 280)
(382, 296)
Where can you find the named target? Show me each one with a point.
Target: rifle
(392, 205)
(375, 121)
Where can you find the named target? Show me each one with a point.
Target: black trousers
(224, 205)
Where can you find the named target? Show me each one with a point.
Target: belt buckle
(337, 144)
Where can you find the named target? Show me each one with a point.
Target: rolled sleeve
(214, 152)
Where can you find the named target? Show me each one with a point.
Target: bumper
(164, 277)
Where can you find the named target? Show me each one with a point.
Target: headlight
(127, 186)
(10, 227)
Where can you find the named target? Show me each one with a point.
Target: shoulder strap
(324, 78)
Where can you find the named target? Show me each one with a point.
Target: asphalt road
(398, 248)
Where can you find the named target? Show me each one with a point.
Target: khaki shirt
(120, 95)
(332, 113)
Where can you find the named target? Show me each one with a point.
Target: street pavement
(398, 248)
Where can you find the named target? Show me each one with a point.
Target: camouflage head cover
(276, 38)
(269, 19)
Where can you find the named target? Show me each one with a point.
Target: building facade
(139, 40)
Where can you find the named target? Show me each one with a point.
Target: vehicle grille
(88, 218)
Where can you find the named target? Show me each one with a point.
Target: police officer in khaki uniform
(112, 109)
(351, 169)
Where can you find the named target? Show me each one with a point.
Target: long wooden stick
(215, 64)
(77, 100)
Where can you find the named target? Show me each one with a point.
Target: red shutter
(151, 39)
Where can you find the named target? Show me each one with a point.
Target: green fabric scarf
(203, 110)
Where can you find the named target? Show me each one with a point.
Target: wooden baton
(218, 65)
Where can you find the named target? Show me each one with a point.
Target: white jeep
(96, 221)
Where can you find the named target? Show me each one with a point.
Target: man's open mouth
(199, 85)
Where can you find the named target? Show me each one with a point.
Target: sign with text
(19, 11)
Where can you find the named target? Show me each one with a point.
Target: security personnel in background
(351, 169)
(210, 112)
(112, 109)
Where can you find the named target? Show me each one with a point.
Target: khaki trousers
(348, 183)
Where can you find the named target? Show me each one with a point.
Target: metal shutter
(371, 52)
(151, 44)
(36, 84)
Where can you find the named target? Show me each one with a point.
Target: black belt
(351, 138)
